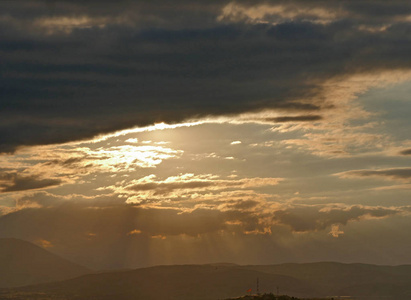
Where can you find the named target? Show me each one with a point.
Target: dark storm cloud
(303, 219)
(394, 173)
(379, 9)
(73, 69)
(406, 152)
(185, 12)
(12, 182)
(365, 11)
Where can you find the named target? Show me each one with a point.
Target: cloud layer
(92, 68)
(105, 227)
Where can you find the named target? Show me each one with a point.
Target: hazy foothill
(23, 263)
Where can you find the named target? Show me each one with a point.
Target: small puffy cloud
(335, 231)
(159, 236)
(132, 140)
(44, 243)
(290, 50)
(235, 143)
(134, 232)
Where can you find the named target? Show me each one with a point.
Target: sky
(138, 133)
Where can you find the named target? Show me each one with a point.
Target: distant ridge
(182, 282)
(23, 263)
(223, 281)
(354, 279)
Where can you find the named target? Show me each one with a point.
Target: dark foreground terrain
(271, 296)
(163, 282)
(189, 282)
(211, 282)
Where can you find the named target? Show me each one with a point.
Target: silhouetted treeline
(271, 296)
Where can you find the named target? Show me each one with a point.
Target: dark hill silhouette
(22, 263)
(349, 279)
(274, 297)
(222, 281)
(185, 282)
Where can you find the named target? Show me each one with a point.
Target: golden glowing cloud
(335, 231)
(273, 13)
(185, 186)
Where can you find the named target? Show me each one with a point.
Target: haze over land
(210, 281)
(22, 263)
(143, 133)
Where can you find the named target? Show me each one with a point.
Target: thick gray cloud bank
(73, 69)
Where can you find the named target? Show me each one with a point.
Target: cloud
(337, 143)
(134, 232)
(127, 220)
(335, 231)
(241, 205)
(309, 218)
(406, 152)
(88, 85)
(108, 233)
(186, 186)
(308, 118)
(391, 174)
(43, 167)
(165, 188)
(12, 182)
(44, 243)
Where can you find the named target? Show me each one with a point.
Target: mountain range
(22, 263)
